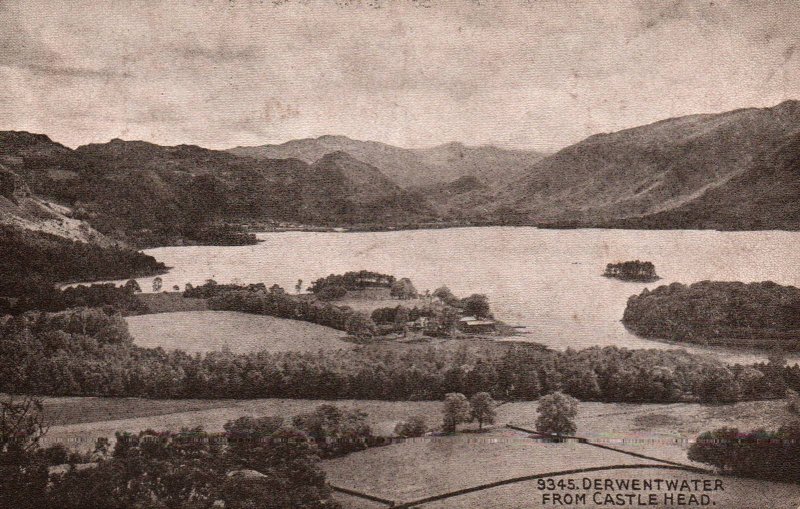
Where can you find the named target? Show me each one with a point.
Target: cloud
(21, 50)
(513, 72)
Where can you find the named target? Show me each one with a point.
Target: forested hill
(734, 170)
(147, 195)
(31, 262)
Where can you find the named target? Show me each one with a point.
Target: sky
(533, 74)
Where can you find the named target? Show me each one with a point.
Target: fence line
(662, 464)
(586, 441)
(373, 498)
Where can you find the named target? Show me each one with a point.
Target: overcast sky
(529, 74)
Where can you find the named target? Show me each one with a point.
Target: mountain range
(732, 170)
(409, 168)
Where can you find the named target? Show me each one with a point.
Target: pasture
(205, 331)
(738, 493)
(434, 465)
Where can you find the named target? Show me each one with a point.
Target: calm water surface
(547, 280)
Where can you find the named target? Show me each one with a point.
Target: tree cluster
(283, 305)
(265, 466)
(31, 263)
(772, 455)
(121, 298)
(632, 271)
(355, 280)
(723, 312)
(458, 409)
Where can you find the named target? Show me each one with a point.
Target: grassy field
(737, 494)
(371, 299)
(203, 331)
(431, 466)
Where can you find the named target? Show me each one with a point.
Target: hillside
(341, 189)
(146, 194)
(407, 167)
(735, 170)
(31, 262)
(665, 166)
(765, 196)
(20, 208)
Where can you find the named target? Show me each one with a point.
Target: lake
(546, 280)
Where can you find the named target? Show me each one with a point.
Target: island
(636, 270)
(735, 314)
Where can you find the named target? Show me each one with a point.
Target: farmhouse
(474, 325)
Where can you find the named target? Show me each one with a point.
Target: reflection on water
(547, 280)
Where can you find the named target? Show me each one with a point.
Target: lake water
(546, 280)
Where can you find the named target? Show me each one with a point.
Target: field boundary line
(373, 498)
(652, 458)
(586, 441)
(495, 484)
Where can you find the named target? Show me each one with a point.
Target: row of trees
(773, 455)
(88, 352)
(711, 310)
(264, 464)
(283, 305)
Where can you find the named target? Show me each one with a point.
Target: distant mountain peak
(333, 138)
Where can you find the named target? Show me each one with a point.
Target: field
(370, 299)
(737, 494)
(204, 331)
(436, 465)
(432, 466)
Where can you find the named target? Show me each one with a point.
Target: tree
(793, 401)
(299, 286)
(133, 286)
(482, 408)
(557, 414)
(22, 426)
(176, 288)
(414, 426)
(444, 295)
(402, 315)
(403, 289)
(332, 292)
(476, 305)
(360, 325)
(157, 283)
(456, 410)
(446, 319)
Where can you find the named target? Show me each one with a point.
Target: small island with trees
(754, 315)
(644, 272)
